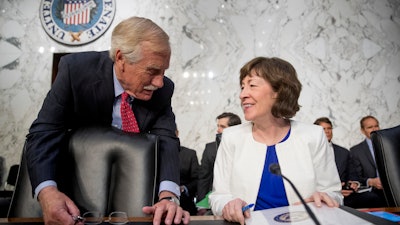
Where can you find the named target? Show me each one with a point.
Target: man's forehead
(370, 122)
(157, 63)
(223, 121)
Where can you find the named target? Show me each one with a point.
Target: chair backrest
(386, 144)
(108, 170)
(2, 169)
(12, 177)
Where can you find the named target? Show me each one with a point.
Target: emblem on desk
(76, 22)
(289, 217)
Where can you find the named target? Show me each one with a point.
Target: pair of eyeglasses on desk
(92, 217)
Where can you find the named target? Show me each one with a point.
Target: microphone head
(274, 168)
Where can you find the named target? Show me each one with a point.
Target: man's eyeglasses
(116, 218)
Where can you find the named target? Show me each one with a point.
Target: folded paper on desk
(364, 189)
(297, 215)
(204, 202)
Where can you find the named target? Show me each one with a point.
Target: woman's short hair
(283, 78)
(128, 35)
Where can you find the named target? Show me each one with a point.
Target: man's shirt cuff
(171, 187)
(43, 185)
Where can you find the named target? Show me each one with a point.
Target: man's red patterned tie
(129, 123)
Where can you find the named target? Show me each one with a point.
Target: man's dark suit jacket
(364, 168)
(189, 171)
(83, 94)
(206, 173)
(363, 160)
(345, 165)
(342, 160)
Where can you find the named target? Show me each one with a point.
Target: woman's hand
(321, 197)
(232, 211)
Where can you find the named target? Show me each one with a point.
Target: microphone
(274, 168)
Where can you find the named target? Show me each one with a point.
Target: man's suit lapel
(368, 155)
(104, 97)
(142, 114)
(103, 90)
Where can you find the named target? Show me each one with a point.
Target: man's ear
(119, 59)
(363, 131)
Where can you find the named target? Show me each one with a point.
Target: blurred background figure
(189, 170)
(364, 160)
(349, 175)
(224, 120)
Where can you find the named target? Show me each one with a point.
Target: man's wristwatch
(171, 199)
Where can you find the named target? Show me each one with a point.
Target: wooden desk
(371, 218)
(395, 210)
(217, 220)
(194, 220)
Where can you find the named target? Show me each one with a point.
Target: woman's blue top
(272, 193)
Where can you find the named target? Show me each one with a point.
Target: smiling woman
(269, 97)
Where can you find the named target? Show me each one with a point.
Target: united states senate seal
(76, 22)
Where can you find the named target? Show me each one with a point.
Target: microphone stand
(275, 169)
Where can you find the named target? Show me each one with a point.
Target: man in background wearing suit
(87, 91)
(349, 175)
(364, 160)
(224, 120)
(189, 171)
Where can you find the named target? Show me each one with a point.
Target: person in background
(224, 120)
(4, 200)
(2, 170)
(189, 172)
(269, 98)
(99, 88)
(348, 174)
(364, 160)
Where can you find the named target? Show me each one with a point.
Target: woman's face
(257, 97)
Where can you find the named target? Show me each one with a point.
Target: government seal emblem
(291, 217)
(76, 22)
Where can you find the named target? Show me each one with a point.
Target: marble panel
(346, 54)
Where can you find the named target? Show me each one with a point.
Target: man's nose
(219, 130)
(158, 81)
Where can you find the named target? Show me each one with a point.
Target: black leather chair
(386, 144)
(7, 192)
(11, 178)
(105, 170)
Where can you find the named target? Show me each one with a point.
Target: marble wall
(347, 55)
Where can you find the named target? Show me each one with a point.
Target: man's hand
(57, 207)
(346, 193)
(168, 211)
(355, 185)
(349, 187)
(202, 211)
(375, 182)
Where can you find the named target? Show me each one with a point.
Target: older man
(124, 88)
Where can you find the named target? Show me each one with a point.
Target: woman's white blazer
(304, 158)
